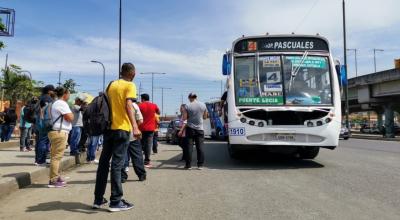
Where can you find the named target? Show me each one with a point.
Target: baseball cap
(192, 95)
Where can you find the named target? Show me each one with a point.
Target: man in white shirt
(62, 117)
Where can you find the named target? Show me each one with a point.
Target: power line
(306, 15)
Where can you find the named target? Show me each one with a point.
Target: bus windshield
(283, 80)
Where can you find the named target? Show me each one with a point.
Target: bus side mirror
(226, 65)
(337, 68)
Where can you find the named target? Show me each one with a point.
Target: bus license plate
(285, 137)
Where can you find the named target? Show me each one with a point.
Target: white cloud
(74, 55)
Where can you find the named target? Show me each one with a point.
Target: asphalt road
(359, 180)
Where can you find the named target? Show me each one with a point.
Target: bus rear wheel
(308, 152)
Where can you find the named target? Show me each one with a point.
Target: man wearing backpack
(121, 94)
(42, 140)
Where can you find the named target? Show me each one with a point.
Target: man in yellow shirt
(121, 94)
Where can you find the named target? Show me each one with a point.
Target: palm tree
(17, 86)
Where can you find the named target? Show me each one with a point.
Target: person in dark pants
(135, 152)
(121, 94)
(148, 110)
(194, 130)
(42, 147)
(155, 137)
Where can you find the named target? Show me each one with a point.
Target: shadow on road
(66, 206)
(217, 157)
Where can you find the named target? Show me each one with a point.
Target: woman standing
(62, 117)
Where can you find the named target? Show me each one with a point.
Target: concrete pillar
(389, 120)
(380, 119)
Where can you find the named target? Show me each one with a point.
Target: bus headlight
(243, 120)
(260, 124)
(252, 123)
(319, 123)
(310, 124)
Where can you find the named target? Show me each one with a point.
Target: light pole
(152, 82)
(104, 72)
(26, 71)
(59, 78)
(162, 99)
(120, 34)
(345, 66)
(355, 58)
(380, 50)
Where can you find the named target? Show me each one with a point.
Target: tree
(70, 84)
(2, 28)
(18, 86)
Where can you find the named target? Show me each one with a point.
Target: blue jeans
(75, 137)
(92, 147)
(6, 132)
(135, 153)
(43, 145)
(25, 137)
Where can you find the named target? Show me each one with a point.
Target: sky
(184, 38)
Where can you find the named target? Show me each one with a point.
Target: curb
(16, 181)
(373, 138)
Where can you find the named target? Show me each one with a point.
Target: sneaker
(121, 206)
(61, 180)
(23, 149)
(148, 165)
(126, 169)
(142, 178)
(95, 161)
(187, 168)
(56, 184)
(29, 149)
(200, 167)
(98, 205)
(41, 164)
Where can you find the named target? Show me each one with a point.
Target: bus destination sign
(272, 44)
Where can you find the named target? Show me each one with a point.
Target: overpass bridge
(379, 92)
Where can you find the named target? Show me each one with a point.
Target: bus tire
(233, 151)
(308, 152)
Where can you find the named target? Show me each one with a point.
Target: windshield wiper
(294, 72)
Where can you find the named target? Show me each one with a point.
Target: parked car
(345, 133)
(162, 131)
(172, 133)
(370, 130)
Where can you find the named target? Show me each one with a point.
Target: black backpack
(30, 112)
(97, 116)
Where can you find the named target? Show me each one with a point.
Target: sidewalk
(17, 169)
(359, 135)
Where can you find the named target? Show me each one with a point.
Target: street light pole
(104, 72)
(26, 71)
(59, 78)
(355, 58)
(120, 34)
(375, 57)
(152, 82)
(346, 91)
(162, 99)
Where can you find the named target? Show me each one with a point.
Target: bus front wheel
(308, 152)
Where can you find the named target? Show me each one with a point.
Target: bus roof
(285, 43)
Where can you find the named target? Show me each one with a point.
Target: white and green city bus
(282, 95)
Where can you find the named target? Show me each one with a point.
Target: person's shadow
(66, 206)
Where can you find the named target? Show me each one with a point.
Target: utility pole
(140, 89)
(162, 99)
(59, 78)
(355, 58)
(120, 35)
(104, 72)
(152, 82)
(346, 91)
(380, 50)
